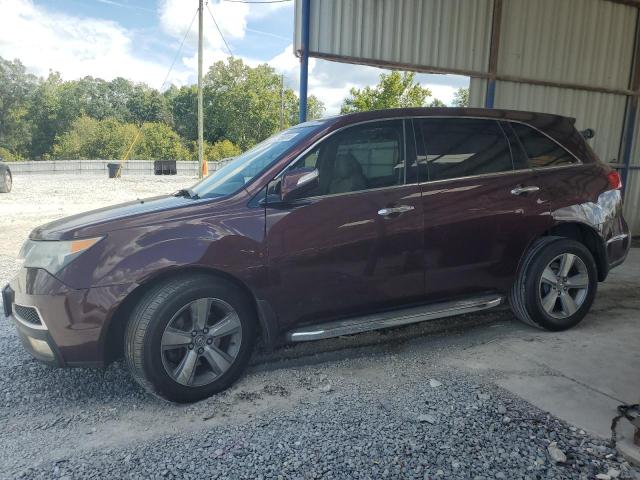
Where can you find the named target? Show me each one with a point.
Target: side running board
(392, 319)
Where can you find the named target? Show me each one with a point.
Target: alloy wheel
(564, 285)
(8, 181)
(201, 342)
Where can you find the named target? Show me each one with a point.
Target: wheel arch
(589, 237)
(115, 331)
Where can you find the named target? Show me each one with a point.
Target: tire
(6, 182)
(534, 297)
(156, 351)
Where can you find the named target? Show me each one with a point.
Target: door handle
(385, 212)
(521, 190)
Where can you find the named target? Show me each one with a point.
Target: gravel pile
(459, 429)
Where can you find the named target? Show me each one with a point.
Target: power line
(219, 31)
(175, 58)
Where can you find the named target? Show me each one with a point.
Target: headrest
(345, 166)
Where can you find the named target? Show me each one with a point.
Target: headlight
(53, 256)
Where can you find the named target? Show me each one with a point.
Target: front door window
(358, 158)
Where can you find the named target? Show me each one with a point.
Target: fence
(99, 167)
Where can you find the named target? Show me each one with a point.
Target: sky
(140, 39)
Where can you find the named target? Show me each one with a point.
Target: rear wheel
(6, 182)
(556, 285)
(190, 337)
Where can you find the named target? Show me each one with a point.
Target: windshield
(240, 171)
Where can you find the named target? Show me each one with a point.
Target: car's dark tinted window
(518, 155)
(359, 158)
(462, 147)
(541, 150)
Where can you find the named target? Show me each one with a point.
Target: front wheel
(190, 337)
(556, 284)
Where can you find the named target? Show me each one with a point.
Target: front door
(481, 206)
(354, 245)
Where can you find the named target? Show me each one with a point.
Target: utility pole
(202, 167)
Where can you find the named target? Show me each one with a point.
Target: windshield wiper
(186, 192)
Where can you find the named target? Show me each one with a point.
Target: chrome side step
(392, 319)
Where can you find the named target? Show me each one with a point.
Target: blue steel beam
(304, 59)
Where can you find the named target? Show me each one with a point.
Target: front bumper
(73, 323)
(35, 340)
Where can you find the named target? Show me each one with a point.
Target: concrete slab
(580, 375)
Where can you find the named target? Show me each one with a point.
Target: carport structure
(579, 58)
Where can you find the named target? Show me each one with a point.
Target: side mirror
(298, 182)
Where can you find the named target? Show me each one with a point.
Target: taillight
(615, 182)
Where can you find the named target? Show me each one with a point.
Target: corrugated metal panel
(604, 112)
(635, 146)
(447, 34)
(574, 41)
(477, 92)
(632, 202)
(632, 191)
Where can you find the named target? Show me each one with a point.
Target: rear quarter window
(541, 150)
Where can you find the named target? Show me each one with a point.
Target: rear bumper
(617, 249)
(65, 327)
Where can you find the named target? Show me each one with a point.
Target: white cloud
(78, 46)
(230, 17)
(45, 40)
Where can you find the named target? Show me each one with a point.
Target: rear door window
(463, 147)
(541, 150)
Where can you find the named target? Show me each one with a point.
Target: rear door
(356, 244)
(479, 214)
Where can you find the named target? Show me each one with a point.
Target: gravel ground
(371, 406)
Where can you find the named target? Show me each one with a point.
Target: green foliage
(243, 104)
(461, 97)
(95, 118)
(159, 142)
(16, 90)
(111, 139)
(90, 138)
(395, 90)
(8, 156)
(437, 103)
(220, 150)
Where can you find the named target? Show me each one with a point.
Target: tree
(437, 103)
(183, 103)
(111, 139)
(461, 97)
(16, 91)
(43, 117)
(220, 150)
(395, 90)
(243, 104)
(89, 138)
(159, 142)
(8, 156)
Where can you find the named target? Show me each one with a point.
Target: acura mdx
(332, 227)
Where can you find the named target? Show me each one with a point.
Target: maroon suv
(332, 227)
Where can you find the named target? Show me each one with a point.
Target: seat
(347, 175)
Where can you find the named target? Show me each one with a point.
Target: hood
(106, 219)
